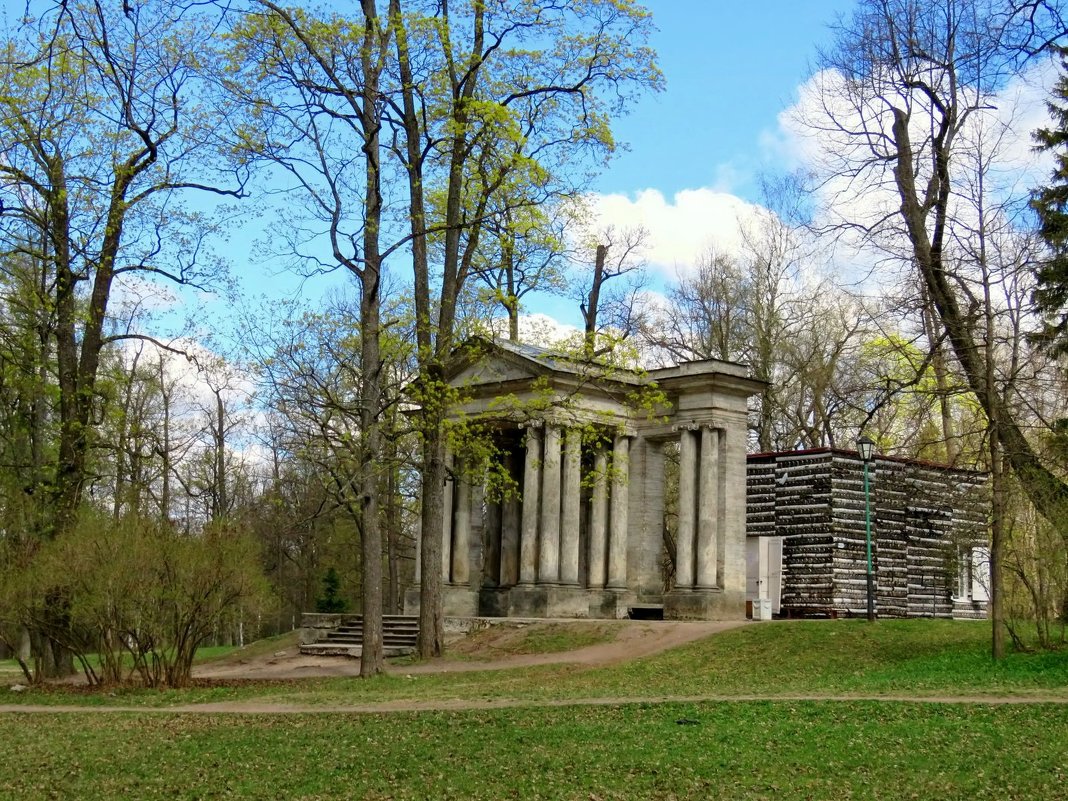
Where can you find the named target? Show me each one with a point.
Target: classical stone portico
(585, 448)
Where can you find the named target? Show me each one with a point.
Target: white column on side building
(528, 531)
(446, 519)
(599, 521)
(461, 530)
(618, 522)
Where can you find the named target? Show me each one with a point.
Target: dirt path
(634, 640)
(386, 707)
(631, 640)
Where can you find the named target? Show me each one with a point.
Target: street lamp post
(866, 448)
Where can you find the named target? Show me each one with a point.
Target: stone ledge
(704, 605)
(352, 651)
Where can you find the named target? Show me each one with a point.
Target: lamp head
(866, 447)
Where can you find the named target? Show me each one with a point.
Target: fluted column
(684, 539)
(708, 512)
(549, 543)
(571, 508)
(461, 529)
(599, 521)
(528, 532)
(617, 535)
(446, 520)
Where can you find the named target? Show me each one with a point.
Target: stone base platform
(555, 601)
(530, 601)
(714, 604)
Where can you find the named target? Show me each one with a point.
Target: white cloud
(829, 131)
(681, 229)
(537, 328)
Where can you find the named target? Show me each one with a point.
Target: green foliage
(898, 403)
(331, 599)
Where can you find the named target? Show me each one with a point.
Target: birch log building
(806, 532)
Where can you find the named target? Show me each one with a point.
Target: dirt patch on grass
(505, 640)
(496, 647)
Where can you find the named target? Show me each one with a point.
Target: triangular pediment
(493, 368)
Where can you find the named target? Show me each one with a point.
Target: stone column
(461, 530)
(549, 544)
(707, 528)
(528, 536)
(571, 509)
(446, 520)
(598, 521)
(617, 535)
(684, 557)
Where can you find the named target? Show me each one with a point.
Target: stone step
(398, 629)
(322, 648)
(357, 631)
(400, 633)
(336, 637)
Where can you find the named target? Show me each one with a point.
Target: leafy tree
(104, 124)
(313, 91)
(489, 92)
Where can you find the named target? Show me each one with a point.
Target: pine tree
(331, 600)
(1050, 203)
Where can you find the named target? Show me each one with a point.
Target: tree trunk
(371, 659)
(591, 306)
(1044, 489)
(431, 612)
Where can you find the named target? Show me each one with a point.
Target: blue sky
(730, 67)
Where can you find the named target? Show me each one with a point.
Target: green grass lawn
(736, 750)
(629, 746)
(850, 657)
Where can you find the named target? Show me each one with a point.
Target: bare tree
(606, 302)
(899, 92)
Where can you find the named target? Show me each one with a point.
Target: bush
(141, 596)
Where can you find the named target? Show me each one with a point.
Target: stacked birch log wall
(922, 515)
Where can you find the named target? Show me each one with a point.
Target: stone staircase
(399, 636)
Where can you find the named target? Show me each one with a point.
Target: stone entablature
(584, 536)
